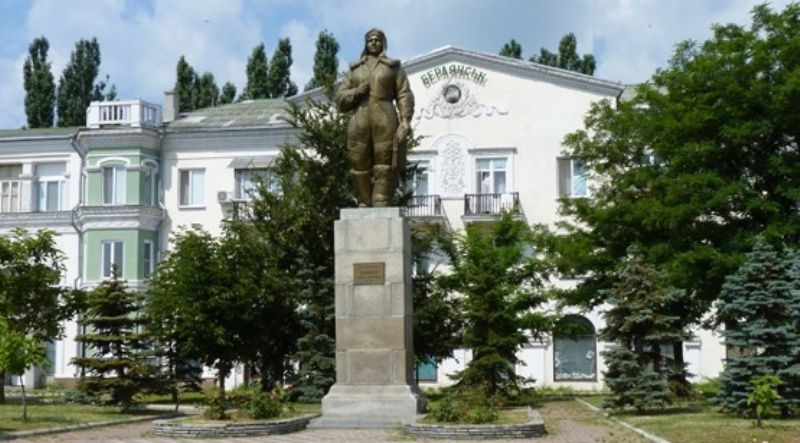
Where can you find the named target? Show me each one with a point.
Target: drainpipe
(79, 230)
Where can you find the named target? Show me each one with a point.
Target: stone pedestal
(374, 321)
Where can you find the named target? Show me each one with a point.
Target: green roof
(242, 114)
(37, 132)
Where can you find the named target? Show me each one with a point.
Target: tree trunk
(221, 374)
(24, 403)
(2, 387)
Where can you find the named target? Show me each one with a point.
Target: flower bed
(533, 428)
(178, 428)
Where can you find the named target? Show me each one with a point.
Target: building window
(112, 257)
(247, 182)
(571, 178)
(51, 187)
(150, 187)
(114, 185)
(491, 175)
(10, 186)
(575, 350)
(192, 187)
(147, 259)
(421, 178)
(426, 371)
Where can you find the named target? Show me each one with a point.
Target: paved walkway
(566, 422)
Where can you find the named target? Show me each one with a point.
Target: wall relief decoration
(453, 154)
(455, 100)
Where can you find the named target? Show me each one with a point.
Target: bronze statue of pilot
(376, 89)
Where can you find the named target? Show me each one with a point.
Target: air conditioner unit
(224, 196)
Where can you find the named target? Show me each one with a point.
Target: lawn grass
(700, 420)
(295, 410)
(42, 416)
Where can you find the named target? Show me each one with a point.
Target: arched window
(575, 350)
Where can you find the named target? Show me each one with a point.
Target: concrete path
(566, 422)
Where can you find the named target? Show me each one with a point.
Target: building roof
(249, 113)
(37, 132)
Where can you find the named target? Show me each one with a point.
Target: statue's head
(374, 43)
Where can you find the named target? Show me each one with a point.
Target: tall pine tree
(760, 307)
(76, 85)
(279, 82)
(511, 49)
(257, 85)
(207, 91)
(326, 64)
(114, 334)
(228, 94)
(186, 85)
(567, 57)
(40, 88)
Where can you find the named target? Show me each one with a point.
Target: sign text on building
(454, 71)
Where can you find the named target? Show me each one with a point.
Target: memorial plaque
(369, 273)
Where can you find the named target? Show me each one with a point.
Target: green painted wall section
(134, 179)
(133, 246)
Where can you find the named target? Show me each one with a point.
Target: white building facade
(492, 131)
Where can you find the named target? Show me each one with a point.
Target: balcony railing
(424, 206)
(491, 204)
(133, 113)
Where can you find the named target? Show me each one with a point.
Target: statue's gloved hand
(402, 131)
(362, 90)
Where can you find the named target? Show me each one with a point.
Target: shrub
(764, 395)
(80, 398)
(708, 389)
(262, 406)
(461, 406)
(215, 408)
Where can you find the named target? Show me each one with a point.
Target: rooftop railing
(132, 113)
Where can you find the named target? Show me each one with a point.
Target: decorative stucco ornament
(455, 100)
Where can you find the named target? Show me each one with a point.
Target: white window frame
(190, 188)
(423, 168)
(509, 154)
(243, 193)
(113, 245)
(42, 188)
(150, 195)
(148, 260)
(118, 186)
(570, 184)
(7, 201)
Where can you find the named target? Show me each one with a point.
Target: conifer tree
(258, 77)
(76, 85)
(512, 49)
(228, 94)
(99, 92)
(186, 86)
(279, 81)
(207, 91)
(643, 317)
(40, 88)
(115, 336)
(759, 307)
(326, 64)
(567, 57)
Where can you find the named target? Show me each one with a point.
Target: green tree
(512, 49)
(228, 94)
(40, 88)
(500, 284)
(31, 300)
(567, 57)
(326, 64)
(693, 167)
(641, 319)
(76, 85)
(279, 81)
(99, 92)
(18, 353)
(186, 86)
(114, 331)
(759, 307)
(258, 78)
(207, 91)
(314, 182)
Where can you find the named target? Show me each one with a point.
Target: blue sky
(141, 40)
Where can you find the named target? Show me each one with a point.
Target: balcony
(481, 207)
(120, 217)
(130, 113)
(425, 208)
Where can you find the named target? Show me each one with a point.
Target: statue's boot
(383, 185)
(363, 184)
